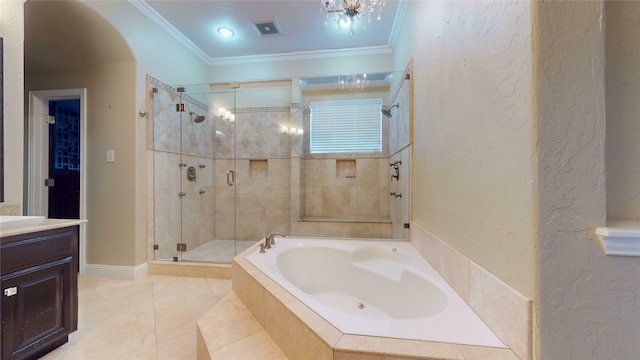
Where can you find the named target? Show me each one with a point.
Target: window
(346, 126)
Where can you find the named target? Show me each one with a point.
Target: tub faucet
(269, 240)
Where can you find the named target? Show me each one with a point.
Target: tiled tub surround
(507, 312)
(373, 287)
(301, 333)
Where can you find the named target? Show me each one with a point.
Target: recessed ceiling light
(225, 32)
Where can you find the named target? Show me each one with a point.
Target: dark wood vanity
(39, 304)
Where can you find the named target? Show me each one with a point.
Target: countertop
(48, 224)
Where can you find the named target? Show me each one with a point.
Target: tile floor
(150, 318)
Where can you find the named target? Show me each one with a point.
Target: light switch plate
(111, 155)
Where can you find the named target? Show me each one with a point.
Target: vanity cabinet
(39, 304)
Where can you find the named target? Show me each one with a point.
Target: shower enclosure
(214, 163)
(227, 166)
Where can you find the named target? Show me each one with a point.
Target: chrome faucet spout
(273, 236)
(269, 239)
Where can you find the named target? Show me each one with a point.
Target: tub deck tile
(375, 348)
(229, 331)
(482, 353)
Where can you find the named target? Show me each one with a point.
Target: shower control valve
(191, 173)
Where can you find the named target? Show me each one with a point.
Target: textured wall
(623, 109)
(588, 301)
(12, 31)
(473, 135)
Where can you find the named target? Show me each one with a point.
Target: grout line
(155, 321)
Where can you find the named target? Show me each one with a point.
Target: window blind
(346, 126)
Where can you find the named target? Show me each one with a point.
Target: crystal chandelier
(347, 11)
(352, 83)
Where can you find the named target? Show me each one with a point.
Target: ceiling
(303, 32)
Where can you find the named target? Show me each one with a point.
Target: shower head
(387, 111)
(198, 118)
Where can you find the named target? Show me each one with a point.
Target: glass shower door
(223, 105)
(221, 171)
(183, 172)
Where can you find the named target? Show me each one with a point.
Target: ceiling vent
(267, 27)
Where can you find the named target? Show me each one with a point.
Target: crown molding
(159, 20)
(401, 14)
(301, 55)
(154, 16)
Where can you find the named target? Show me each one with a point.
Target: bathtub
(373, 287)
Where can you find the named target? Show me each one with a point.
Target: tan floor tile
(148, 353)
(219, 287)
(117, 310)
(258, 346)
(182, 347)
(57, 354)
(176, 321)
(170, 292)
(114, 341)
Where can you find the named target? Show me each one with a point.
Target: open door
(57, 148)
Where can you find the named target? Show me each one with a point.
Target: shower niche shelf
(346, 168)
(620, 238)
(258, 168)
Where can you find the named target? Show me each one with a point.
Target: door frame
(38, 167)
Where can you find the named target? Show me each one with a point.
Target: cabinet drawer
(26, 250)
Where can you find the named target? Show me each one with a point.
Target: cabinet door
(35, 307)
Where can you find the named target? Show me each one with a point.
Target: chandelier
(347, 11)
(352, 83)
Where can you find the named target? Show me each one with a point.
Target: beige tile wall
(327, 194)
(504, 310)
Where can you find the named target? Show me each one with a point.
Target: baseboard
(115, 271)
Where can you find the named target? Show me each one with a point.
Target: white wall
(473, 176)
(623, 107)
(12, 32)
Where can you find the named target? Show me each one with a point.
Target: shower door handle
(231, 178)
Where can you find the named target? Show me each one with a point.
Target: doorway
(63, 181)
(57, 161)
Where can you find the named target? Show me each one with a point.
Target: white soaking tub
(373, 287)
